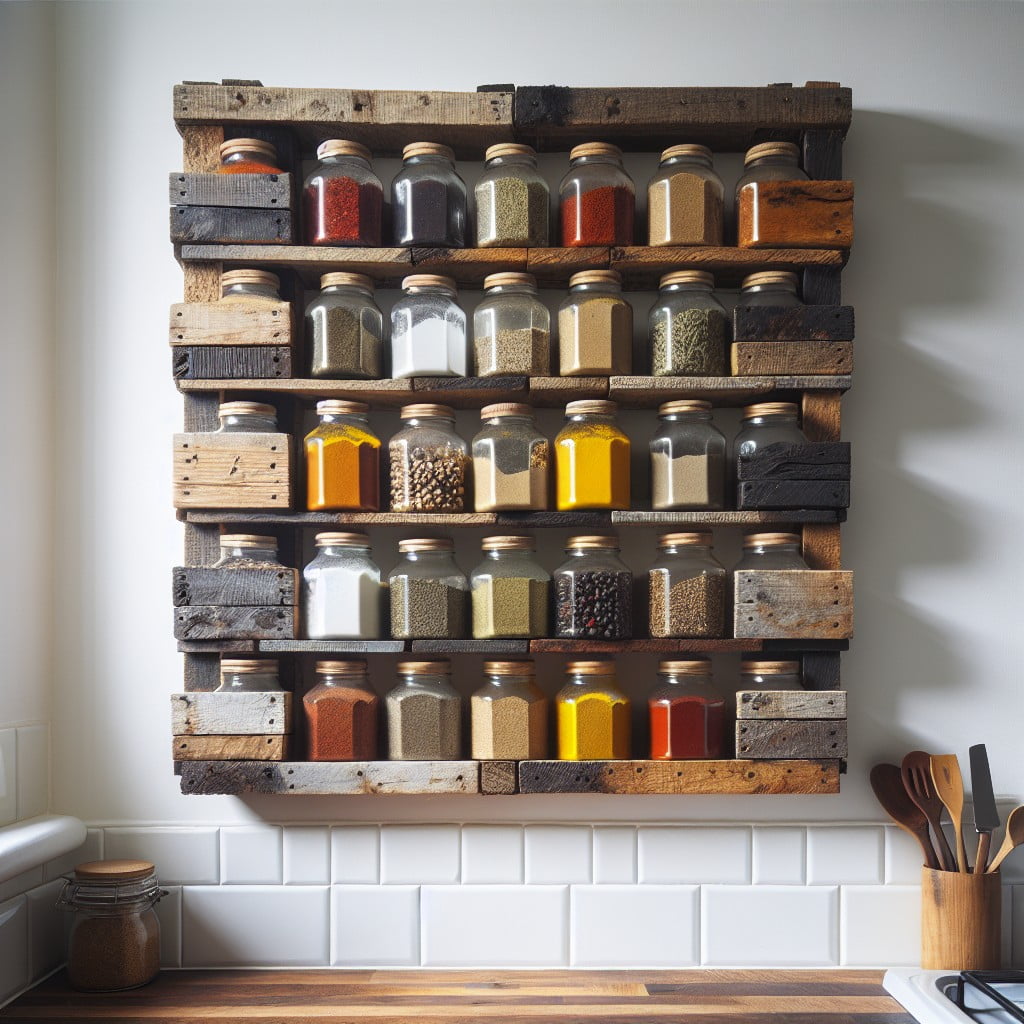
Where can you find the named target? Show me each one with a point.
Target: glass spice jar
(512, 198)
(771, 551)
(246, 418)
(595, 326)
(509, 590)
(429, 593)
(341, 589)
(428, 461)
(428, 329)
(591, 458)
(345, 328)
(342, 459)
(596, 197)
(510, 461)
(342, 198)
(342, 713)
(428, 198)
(114, 939)
(687, 458)
(424, 713)
(509, 714)
(685, 199)
(769, 288)
(592, 714)
(250, 287)
(687, 719)
(511, 328)
(687, 587)
(767, 423)
(767, 161)
(248, 156)
(593, 591)
(687, 326)
(247, 551)
(249, 675)
(758, 674)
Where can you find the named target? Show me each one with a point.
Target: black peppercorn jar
(593, 591)
(428, 198)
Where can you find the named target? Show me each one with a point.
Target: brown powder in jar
(508, 729)
(691, 607)
(687, 482)
(423, 727)
(685, 209)
(119, 951)
(522, 351)
(494, 490)
(595, 336)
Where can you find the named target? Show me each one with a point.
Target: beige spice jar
(509, 714)
(595, 326)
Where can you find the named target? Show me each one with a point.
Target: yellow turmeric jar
(591, 458)
(342, 459)
(592, 714)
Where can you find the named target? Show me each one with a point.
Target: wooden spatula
(892, 795)
(949, 784)
(917, 777)
(1014, 836)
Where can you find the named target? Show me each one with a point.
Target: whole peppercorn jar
(592, 714)
(342, 713)
(687, 718)
(767, 423)
(761, 674)
(509, 590)
(428, 329)
(341, 589)
(428, 462)
(424, 713)
(247, 551)
(685, 199)
(510, 461)
(596, 197)
(688, 327)
(593, 591)
(246, 418)
(342, 198)
(248, 156)
(509, 714)
(249, 675)
(591, 458)
(511, 328)
(769, 288)
(428, 198)
(595, 326)
(687, 588)
(429, 592)
(771, 551)
(342, 459)
(250, 287)
(768, 161)
(512, 198)
(688, 458)
(114, 939)
(345, 328)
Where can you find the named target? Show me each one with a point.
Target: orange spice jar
(248, 156)
(342, 459)
(342, 713)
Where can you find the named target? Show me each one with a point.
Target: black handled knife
(986, 814)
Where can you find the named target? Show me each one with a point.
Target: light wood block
(233, 470)
(231, 714)
(262, 191)
(238, 587)
(796, 214)
(793, 603)
(231, 323)
(769, 704)
(791, 739)
(231, 748)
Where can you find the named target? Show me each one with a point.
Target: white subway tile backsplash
(307, 855)
(769, 926)
(13, 947)
(694, 855)
(8, 776)
(614, 855)
(91, 849)
(492, 854)
(494, 926)
(903, 858)
(250, 855)
(845, 854)
(45, 930)
(33, 770)
(779, 855)
(21, 883)
(168, 911)
(420, 854)
(183, 856)
(635, 926)
(558, 854)
(375, 926)
(880, 925)
(355, 854)
(256, 926)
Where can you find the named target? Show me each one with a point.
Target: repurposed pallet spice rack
(786, 742)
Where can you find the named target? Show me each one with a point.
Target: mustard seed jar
(769, 288)
(510, 461)
(687, 588)
(767, 423)
(428, 461)
(114, 940)
(596, 197)
(424, 713)
(771, 551)
(345, 328)
(511, 328)
(509, 714)
(428, 198)
(688, 327)
(688, 458)
(246, 418)
(342, 198)
(249, 675)
(428, 329)
(512, 198)
(685, 199)
(758, 674)
(250, 287)
(509, 590)
(595, 326)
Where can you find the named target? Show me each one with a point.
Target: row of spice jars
(343, 199)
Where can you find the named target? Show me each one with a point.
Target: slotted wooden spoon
(916, 770)
(887, 783)
(1014, 836)
(949, 784)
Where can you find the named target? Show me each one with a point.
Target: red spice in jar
(602, 216)
(248, 167)
(341, 723)
(340, 211)
(686, 727)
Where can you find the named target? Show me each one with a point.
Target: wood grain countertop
(476, 997)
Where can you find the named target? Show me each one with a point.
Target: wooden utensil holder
(960, 921)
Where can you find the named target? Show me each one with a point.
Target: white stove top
(923, 994)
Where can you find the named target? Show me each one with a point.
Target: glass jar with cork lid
(342, 459)
(341, 589)
(769, 288)
(424, 713)
(766, 550)
(342, 198)
(249, 675)
(688, 327)
(595, 326)
(687, 587)
(345, 328)
(763, 674)
(511, 328)
(429, 592)
(767, 161)
(685, 199)
(591, 458)
(592, 713)
(342, 713)
(687, 718)
(248, 156)
(767, 423)
(510, 461)
(246, 418)
(509, 714)
(428, 329)
(428, 198)
(688, 458)
(512, 198)
(596, 197)
(509, 590)
(250, 287)
(247, 551)
(428, 461)
(593, 591)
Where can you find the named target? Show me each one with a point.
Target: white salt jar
(428, 329)
(341, 589)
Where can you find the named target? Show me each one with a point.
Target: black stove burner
(985, 982)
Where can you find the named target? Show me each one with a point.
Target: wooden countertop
(473, 997)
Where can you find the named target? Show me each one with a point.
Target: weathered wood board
(231, 714)
(499, 778)
(793, 603)
(240, 586)
(550, 392)
(231, 323)
(776, 494)
(815, 460)
(471, 646)
(259, 191)
(333, 646)
(820, 670)
(230, 622)
(227, 224)
(641, 645)
(826, 358)
(231, 748)
(792, 323)
(799, 738)
(231, 362)
(649, 392)
(768, 704)
(468, 266)
(729, 518)
(471, 391)
(233, 470)
(796, 214)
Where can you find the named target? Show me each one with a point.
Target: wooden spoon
(887, 783)
(1014, 836)
(949, 784)
(917, 777)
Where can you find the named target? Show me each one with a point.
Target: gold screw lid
(341, 277)
(690, 667)
(686, 149)
(595, 406)
(337, 407)
(687, 277)
(418, 668)
(508, 544)
(263, 278)
(593, 541)
(430, 281)
(591, 668)
(769, 409)
(594, 149)
(348, 667)
(428, 149)
(509, 668)
(244, 666)
(426, 544)
(245, 409)
(247, 540)
(684, 405)
(342, 147)
(677, 540)
(488, 412)
(427, 409)
(332, 539)
(609, 277)
(784, 278)
(508, 149)
(763, 149)
(113, 870)
(509, 278)
(769, 668)
(770, 540)
(260, 146)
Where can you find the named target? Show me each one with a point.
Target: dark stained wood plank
(823, 154)
(796, 214)
(785, 739)
(230, 362)
(471, 646)
(792, 323)
(264, 191)
(554, 266)
(819, 670)
(753, 358)
(775, 494)
(816, 460)
(499, 778)
(468, 266)
(239, 586)
(472, 392)
(227, 622)
(747, 518)
(822, 286)
(226, 225)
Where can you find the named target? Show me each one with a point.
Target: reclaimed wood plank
(823, 154)
(803, 515)
(332, 646)
(548, 392)
(471, 391)
(775, 494)
(553, 265)
(230, 323)
(228, 622)
(642, 645)
(499, 778)
(821, 545)
(535, 520)
(238, 586)
(230, 362)
(191, 647)
(794, 603)
(225, 225)
(795, 214)
(471, 646)
(202, 672)
(820, 670)
(202, 281)
(822, 286)
(649, 392)
(754, 358)
(786, 739)
(815, 460)
(262, 191)
(231, 714)
(821, 414)
(468, 266)
(792, 323)
(232, 470)
(231, 748)
(376, 393)
(769, 704)
(270, 518)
